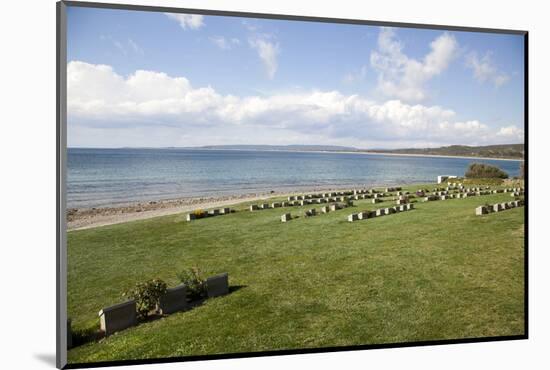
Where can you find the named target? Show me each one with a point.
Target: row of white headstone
(380, 212)
(449, 190)
(313, 212)
(298, 203)
(213, 212)
(483, 210)
(375, 196)
(321, 195)
(470, 192)
(454, 196)
(341, 193)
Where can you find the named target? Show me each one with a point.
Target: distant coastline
(446, 156)
(351, 150)
(359, 152)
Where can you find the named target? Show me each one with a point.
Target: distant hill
(330, 148)
(511, 151)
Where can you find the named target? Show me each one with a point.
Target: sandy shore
(85, 218)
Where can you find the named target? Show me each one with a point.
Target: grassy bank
(436, 272)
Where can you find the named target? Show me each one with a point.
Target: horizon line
(286, 145)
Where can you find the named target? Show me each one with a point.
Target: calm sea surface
(102, 177)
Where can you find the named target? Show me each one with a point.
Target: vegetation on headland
(312, 282)
(510, 151)
(484, 171)
(503, 151)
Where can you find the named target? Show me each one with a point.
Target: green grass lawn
(435, 272)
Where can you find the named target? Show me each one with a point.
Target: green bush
(194, 281)
(484, 171)
(146, 295)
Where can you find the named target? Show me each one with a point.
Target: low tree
(147, 295)
(194, 281)
(484, 171)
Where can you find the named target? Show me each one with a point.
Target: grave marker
(481, 210)
(353, 217)
(380, 212)
(217, 285)
(175, 299)
(117, 317)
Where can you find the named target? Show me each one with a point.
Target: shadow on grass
(235, 288)
(84, 336)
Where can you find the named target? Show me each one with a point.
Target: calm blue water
(102, 177)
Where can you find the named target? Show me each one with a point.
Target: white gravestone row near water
(313, 212)
(342, 199)
(490, 208)
(380, 212)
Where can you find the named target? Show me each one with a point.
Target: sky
(152, 79)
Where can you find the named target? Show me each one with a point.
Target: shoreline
(87, 218)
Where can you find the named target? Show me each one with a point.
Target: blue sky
(152, 79)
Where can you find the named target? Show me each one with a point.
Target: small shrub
(146, 295)
(485, 171)
(194, 281)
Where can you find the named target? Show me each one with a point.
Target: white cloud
(511, 133)
(354, 77)
(187, 21)
(485, 70)
(267, 51)
(153, 104)
(404, 77)
(223, 43)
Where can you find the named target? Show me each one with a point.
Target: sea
(111, 177)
